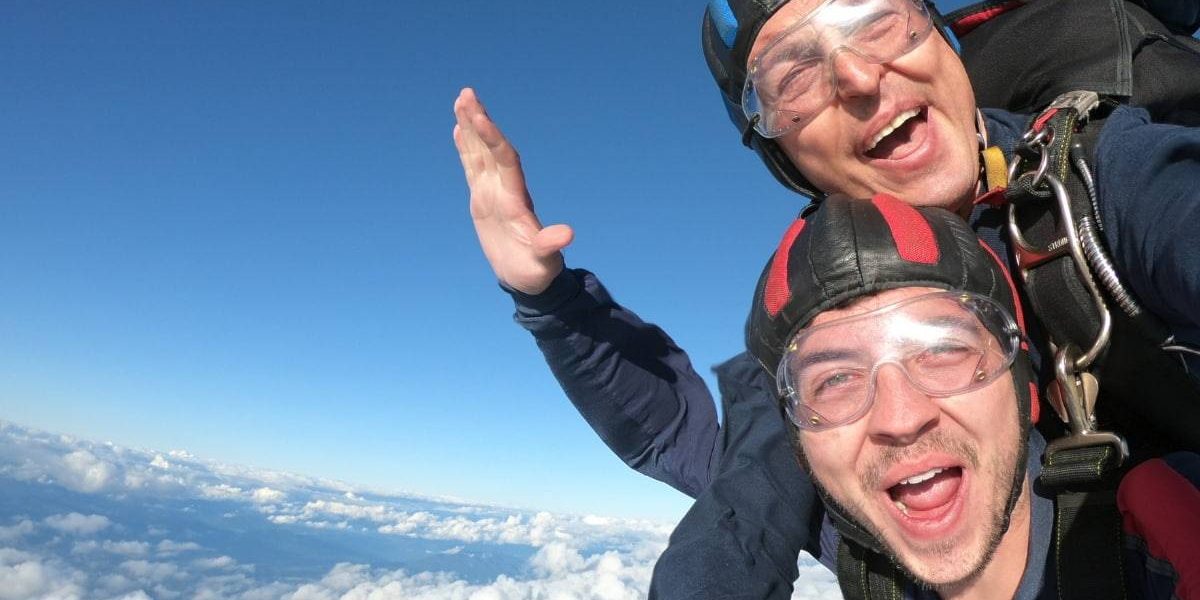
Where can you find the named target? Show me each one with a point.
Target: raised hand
(524, 255)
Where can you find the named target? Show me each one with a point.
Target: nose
(900, 412)
(856, 76)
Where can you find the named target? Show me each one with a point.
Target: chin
(947, 568)
(941, 192)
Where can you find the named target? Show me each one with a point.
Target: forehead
(787, 14)
(866, 304)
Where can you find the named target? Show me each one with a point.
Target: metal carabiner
(1029, 256)
(1034, 142)
(1073, 396)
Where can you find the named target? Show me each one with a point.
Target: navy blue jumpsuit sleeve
(628, 379)
(743, 535)
(1149, 194)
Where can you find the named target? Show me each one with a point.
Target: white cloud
(557, 558)
(591, 557)
(266, 495)
(377, 513)
(815, 581)
(168, 547)
(138, 595)
(153, 571)
(220, 562)
(222, 490)
(86, 473)
(75, 523)
(114, 583)
(569, 575)
(126, 548)
(11, 533)
(24, 575)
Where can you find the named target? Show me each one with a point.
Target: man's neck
(1002, 575)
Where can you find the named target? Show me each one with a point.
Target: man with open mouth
(901, 365)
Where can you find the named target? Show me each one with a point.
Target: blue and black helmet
(726, 35)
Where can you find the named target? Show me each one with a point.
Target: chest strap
(866, 575)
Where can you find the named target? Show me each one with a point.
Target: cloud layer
(89, 520)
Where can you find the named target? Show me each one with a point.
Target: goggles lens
(945, 343)
(792, 79)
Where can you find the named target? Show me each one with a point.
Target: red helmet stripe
(968, 23)
(913, 235)
(778, 292)
(1035, 409)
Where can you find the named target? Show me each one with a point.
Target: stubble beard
(1003, 465)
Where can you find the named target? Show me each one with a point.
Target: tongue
(929, 494)
(896, 142)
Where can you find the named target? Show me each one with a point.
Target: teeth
(895, 124)
(900, 505)
(926, 476)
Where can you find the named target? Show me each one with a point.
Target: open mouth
(929, 495)
(900, 137)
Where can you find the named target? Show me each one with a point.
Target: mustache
(936, 441)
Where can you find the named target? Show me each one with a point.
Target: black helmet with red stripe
(847, 249)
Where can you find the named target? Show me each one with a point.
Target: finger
(552, 239)
(473, 152)
(465, 156)
(470, 96)
(484, 137)
(500, 152)
(472, 113)
(466, 108)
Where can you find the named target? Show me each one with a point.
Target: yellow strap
(995, 167)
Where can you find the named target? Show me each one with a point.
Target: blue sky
(241, 229)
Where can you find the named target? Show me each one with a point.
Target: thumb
(552, 239)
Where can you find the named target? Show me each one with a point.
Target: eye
(799, 79)
(946, 353)
(875, 27)
(833, 385)
(836, 380)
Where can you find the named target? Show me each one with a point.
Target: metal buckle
(1073, 396)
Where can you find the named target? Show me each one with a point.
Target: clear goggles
(944, 343)
(792, 79)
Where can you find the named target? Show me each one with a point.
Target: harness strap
(1145, 394)
(1088, 544)
(1088, 539)
(1080, 466)
(866, 575)
(1141, 385)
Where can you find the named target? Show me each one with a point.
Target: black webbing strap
(1087, 528)
(1145, 394)
(866, 575)
(1073, 467)
(1088, 546)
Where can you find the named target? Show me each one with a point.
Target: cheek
(989, 415)
(814, 150)
(830, 457)
(952, 82)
